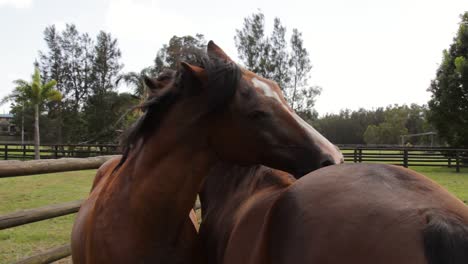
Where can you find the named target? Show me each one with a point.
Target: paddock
(457, 183)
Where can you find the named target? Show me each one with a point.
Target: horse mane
(223, 79)
(227, 187)
(226, 181)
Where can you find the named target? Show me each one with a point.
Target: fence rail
(12, 151)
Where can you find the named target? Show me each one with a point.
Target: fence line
(398, 155)
(407, 156)
(15, 151)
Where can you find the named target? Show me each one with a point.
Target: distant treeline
(379, 126)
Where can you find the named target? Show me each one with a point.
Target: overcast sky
(365, 53)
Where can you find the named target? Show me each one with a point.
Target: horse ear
(216, 52)
(196, 72)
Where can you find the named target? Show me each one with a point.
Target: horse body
(357, 213)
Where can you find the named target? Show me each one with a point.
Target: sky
(365, 53)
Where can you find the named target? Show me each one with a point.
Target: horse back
(364, 214)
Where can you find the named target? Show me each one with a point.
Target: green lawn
(36, 191)
(40, 190)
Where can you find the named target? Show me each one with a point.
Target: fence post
(457, 154)
(6, 151)
(55, 152)
(24, 151)
(450, 162)
(405, 158)
(360, 155)
(355, 156)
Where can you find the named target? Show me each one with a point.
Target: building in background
(7, 127)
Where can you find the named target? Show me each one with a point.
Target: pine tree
(252, 44)
(301, 95)
(278, 62)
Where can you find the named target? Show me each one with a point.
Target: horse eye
(258, 114)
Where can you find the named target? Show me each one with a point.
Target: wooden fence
(404, 156)
(19, 168)
(54, 151)
(24, 168)
(407, 156)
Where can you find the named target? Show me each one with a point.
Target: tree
(83, 68)
(449, 101)
(278, 61)
(252, 45)
(268, 56)
(36, 94)
(302, 96)
(68, 60)
(106, 65)
(136, 80)
(107, 113)
(178, 49)
(100, 109)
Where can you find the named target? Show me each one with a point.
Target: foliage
(178, 49)
(379, 126)
(101, 108)
(449, 100)
(136, 80)
(268, 56)
(86, 71)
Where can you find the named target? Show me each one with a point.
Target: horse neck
(224, 190)
(162, 179)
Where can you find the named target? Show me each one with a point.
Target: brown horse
(138, 213)
(356, 213)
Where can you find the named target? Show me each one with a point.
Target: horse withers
(138, 213)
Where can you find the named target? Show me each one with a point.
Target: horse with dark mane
(137, 212)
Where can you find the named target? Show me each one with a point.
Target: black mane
(223, 79)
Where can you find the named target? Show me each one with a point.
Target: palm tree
(136, 80)
(36, 94)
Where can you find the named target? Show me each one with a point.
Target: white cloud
(16, 3)
(142, 20)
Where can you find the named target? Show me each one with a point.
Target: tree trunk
(22, 125)
(37, 140)
(60, 124)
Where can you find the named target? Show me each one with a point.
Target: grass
(36, 191)
(40, 190)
